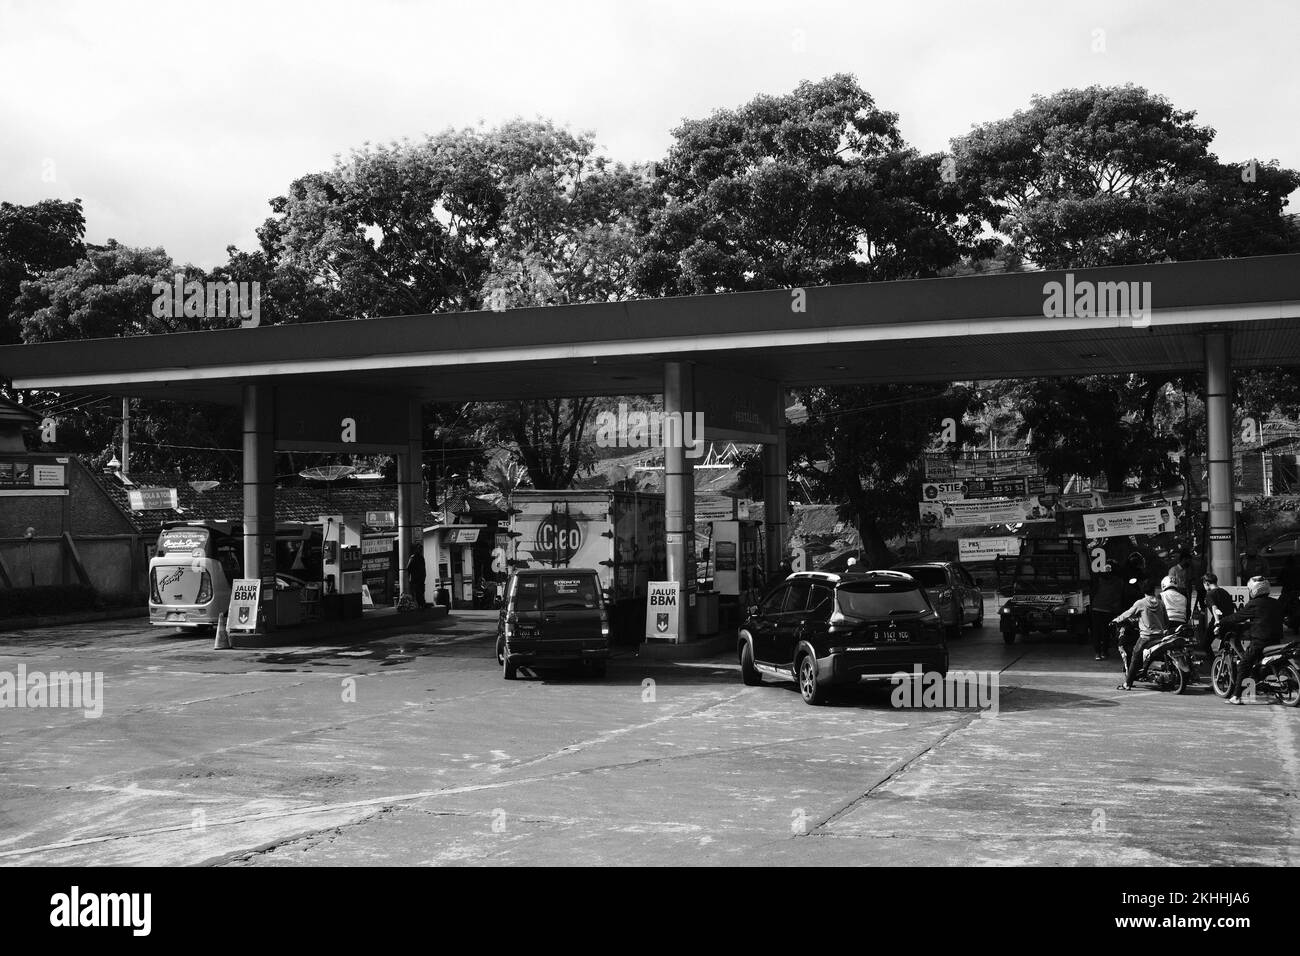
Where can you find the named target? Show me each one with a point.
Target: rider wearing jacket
(1264, 614)
(1152, 624)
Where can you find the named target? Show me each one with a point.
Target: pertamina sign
(662, 611)
(558, 539)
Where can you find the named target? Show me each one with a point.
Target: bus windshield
(192, 541)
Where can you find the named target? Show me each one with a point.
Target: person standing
(1290, 582)
(415, 572)
(1218, 605)
(1108, 593)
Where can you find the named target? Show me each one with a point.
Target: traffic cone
(222, 643)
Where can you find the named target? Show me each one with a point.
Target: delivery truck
(618, 534)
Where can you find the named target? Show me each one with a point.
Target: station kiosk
(341, 563)
(449, 560)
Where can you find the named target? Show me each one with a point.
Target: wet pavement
(409, 748)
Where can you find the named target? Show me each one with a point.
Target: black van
(553, 616)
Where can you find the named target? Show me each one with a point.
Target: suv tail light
(154, 596)
(205, 589)
(604, 624)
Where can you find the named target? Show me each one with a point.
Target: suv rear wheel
(810, 688)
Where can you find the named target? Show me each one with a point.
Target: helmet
(1257, 587)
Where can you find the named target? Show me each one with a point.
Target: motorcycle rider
(1173, 592)
(1152, 624)
(1264, 614)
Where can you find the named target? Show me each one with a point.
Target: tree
(548, 435)
(1095, 425)
(1113, 176)
(33, 240)
(862, 446)
(1117, 175)
(520, 215)
(809, 188)
(813, 187)
(109, 294)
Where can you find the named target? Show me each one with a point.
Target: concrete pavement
(410, 749)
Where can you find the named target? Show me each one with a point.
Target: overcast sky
(175, 122)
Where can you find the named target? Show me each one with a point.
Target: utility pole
(126, 437)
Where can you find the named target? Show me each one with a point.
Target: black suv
(822, 629)
(553, 616)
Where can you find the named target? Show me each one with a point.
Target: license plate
(891, 635)
(176, 616)
(527, 630)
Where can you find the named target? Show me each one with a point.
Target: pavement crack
(894, 770)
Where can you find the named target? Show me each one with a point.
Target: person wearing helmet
(1174, 598)
(1264, 614)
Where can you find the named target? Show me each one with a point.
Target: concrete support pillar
(1218, 424)
(679, 492)
(775, 507)
(410, 495)
(259, 495)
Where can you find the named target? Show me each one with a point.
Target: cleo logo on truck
(558, 539)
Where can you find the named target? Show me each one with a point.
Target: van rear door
(572, 608)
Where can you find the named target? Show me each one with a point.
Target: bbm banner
(244, 596)
(662, 603)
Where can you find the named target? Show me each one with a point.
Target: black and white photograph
(662, 435)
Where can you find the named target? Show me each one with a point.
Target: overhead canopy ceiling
(974, 327)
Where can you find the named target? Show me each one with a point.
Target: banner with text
(958, 514)
(1118, 523)
(986, 549)
(661, 611)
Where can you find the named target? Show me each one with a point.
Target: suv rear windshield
(555, 593)
(927, 577)
(881, 600)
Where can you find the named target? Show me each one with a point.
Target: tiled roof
(226, 502)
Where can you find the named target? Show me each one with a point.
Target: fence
(111, 564)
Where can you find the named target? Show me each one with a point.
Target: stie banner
(958, 514)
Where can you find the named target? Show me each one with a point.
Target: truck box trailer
(620, 534)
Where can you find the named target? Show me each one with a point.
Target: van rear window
(574, 593)
(580, 592)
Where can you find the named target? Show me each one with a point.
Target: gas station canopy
(971, 327)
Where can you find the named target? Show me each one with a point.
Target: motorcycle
(1169, 663)
(1277, 674)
